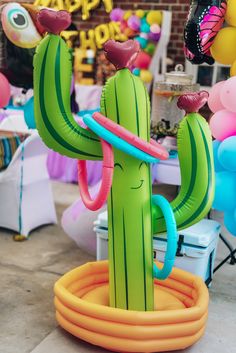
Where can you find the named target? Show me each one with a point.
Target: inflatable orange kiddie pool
(81, 300)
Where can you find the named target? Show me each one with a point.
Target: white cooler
(196, 248)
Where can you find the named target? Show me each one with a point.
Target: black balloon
(16, 63)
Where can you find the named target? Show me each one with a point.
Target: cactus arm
(197, 175)
(54, 120)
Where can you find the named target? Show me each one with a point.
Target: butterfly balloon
(205, 19)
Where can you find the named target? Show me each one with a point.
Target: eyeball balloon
(19, 27)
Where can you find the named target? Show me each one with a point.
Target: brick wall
(179, 9)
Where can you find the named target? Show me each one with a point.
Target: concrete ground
(29, 270)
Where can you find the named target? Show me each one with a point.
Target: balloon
(142, 42)
(145, 27)
(19, 26)
(230, 16)
(140, 13)
(150, 49)
(143, 60)
(136, 71)
(129, 32)
(102, 35)
(143, 35)
(217, 165)
(223, 48)
(5, 91)
(127, 14)
(29, 113)
(223, 124)
(225, 191)
(154, 36)
(233, 69)
(227, 154)
(155, 28)
(204, 21)
(121, 55)
(123, 25)
(214, 101)
(146, 76)
(230, 222)
(87, 40)
(117, 15)
(154, 17)
(134, 22)
(227, 94)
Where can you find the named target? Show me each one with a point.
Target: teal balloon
(29, 113)
(227, 154)
(145, 27)
(142, 42)
(217, 165)
(136, 71)
(230, 222)
(225, 191)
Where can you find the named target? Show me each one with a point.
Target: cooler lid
(101, 221)
(200, 234)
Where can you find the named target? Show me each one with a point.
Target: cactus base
(179, 319)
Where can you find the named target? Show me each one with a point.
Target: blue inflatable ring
(168, 214)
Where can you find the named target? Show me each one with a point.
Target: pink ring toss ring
(153, 148)
(107, 175)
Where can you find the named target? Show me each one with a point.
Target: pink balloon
(5, 91)
(143, 60)
(214, 101)
(227, 94)
(117, 14)
(155, 28)
(223, 124)
(134, 22)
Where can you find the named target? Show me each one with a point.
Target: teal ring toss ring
(117, 142)
(168, 214)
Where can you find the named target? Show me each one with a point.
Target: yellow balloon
(233, 69)
(154, 17)
(102, 34)
(223, 48)
(140, 13)
(87, 40)
(87, 6)
(146, 76)
(230, 16)
(127, 14)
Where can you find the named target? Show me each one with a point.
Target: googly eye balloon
(19, 27)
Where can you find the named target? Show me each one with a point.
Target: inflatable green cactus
(132, 217)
